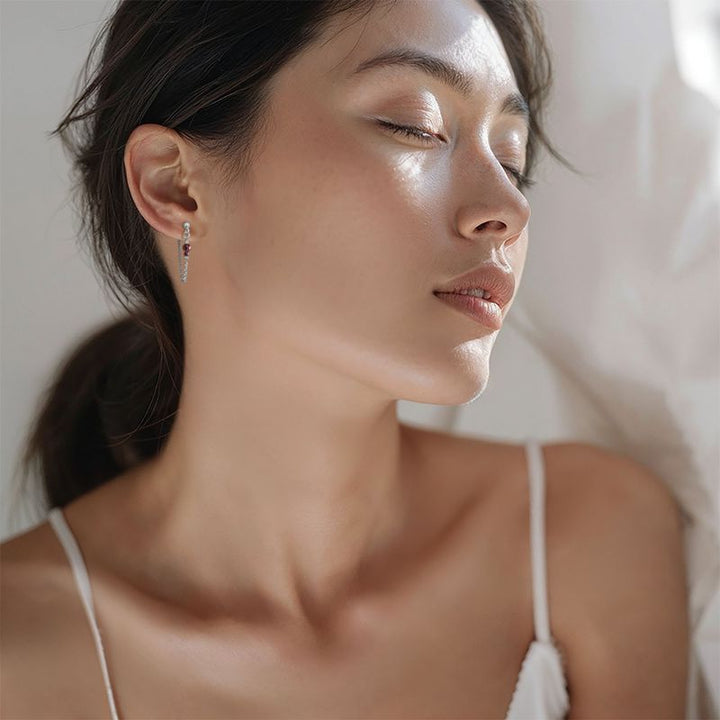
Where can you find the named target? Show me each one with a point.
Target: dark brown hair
(201, 68)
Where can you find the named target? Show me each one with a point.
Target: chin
(455, 387)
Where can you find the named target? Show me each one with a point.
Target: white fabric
(541, 691)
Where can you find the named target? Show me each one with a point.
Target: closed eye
(421, 133)
(427, 136)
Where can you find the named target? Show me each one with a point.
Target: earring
(184, 252)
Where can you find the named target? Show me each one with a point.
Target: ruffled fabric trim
(541, 690)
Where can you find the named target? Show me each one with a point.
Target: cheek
(339, 243)
(341, 216)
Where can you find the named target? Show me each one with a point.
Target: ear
(159, 168)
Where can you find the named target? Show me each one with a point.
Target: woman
(286, 195)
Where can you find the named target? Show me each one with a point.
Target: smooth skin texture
(295, 550)
(310, 309)
(624, 590)
(444, 634)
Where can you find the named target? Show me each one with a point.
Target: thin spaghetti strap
(536, 479)
(72, 550)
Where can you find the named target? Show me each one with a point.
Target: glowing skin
(309, 312)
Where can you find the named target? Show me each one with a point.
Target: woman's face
(332, 247)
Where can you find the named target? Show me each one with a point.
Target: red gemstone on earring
(186, 249)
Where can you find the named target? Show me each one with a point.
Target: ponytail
(108, 407)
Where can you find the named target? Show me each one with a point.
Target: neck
(275, 504)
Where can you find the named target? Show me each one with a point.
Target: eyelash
(410, 131)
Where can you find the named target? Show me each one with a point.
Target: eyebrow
(444, 71)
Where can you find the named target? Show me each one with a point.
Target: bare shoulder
(29, 597)
(31, 572)
(27, 592)
(594, 468)
(603, 491)
(616, 576)
(41, 625)
(616, 563)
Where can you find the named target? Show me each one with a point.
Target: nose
(498, 213)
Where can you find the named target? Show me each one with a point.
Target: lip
(497, 280)
(485, 312)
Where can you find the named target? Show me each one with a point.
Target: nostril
(498, 225)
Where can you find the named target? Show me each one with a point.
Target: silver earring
(184, 252)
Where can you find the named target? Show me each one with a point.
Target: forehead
(459, 33)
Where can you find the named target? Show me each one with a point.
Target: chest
(445, 666)
(450, 643)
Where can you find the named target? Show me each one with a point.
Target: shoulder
(598, 468)
(618, 570)
(41, 625)
(29, 596)
(615, 561)
(31, 572)
(609, 492)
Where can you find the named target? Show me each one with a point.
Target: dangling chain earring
(184, 252)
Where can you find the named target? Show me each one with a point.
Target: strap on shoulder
(57, 520)
(536, 480)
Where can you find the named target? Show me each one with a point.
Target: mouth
(482, 310)
(478, 293)
(489, 283)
